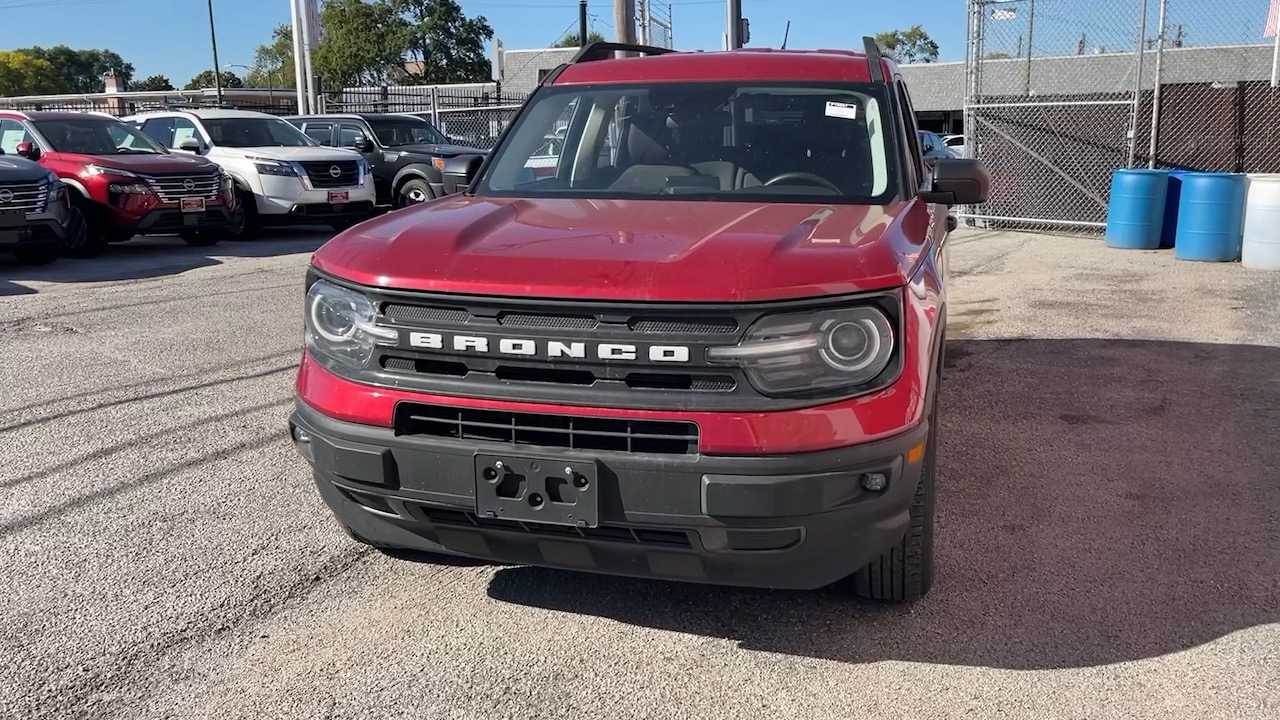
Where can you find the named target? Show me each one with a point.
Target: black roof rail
(874, 58)
(603, 50)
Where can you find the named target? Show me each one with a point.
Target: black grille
(558, 431)
(694, 327)
(323, 174)
(606, 533)
(549, 322)
(396, 311)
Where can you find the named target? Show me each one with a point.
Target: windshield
(96, 136)
(409, 131)
(255, 132)
(718, 141)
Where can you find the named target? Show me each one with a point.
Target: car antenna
(785, 34)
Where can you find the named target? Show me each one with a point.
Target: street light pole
(213, 40)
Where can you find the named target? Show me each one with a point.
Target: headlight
(267, 166)
(129, 188)
(101, 170)
(340, 325)
(814, 353)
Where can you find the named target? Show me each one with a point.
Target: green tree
(908, 46)
(153, 83)
(273, 63)
(205, 80)
(22, 74)
(446, 45)
(364, 43)
(571, 40)
(82, 70)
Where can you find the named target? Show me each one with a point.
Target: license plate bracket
(192, 205)
(13, 218)
(544, 490)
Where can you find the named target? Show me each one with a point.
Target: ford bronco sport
(123, 183)
(706, 348)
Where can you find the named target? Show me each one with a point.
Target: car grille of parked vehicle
(582, 379)
(343, 173)
(27, 196)
(173, 188)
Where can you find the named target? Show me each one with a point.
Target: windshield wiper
(134, 151)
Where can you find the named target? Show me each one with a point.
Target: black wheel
(412, 192)
(201, 238)
(245, 223)
(38, 254)
(92, 239)
(905, 573)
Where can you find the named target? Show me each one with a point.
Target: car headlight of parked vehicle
(267, 166)
(340, 326)
(826, 352)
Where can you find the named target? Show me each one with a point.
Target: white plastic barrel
(1261, 246)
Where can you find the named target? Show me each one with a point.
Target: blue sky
(170, 37)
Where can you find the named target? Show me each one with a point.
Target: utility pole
(733, 25)
(642, 8)
(308, 34)
(624, 22)
(582, 23)
(299, 70)
(213, 39)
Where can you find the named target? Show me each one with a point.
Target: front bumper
(173, 220)
(47, 227)
(285, 199)
(796, 521)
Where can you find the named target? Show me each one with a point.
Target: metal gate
(1051, 125)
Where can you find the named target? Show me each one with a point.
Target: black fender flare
(422, 171)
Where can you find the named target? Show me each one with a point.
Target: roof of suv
(361, 116)
(207, 113)
(725, 66)
(55, 114)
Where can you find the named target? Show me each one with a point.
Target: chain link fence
(472, 115)
(1061, 93)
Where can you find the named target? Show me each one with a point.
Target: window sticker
(842, 110)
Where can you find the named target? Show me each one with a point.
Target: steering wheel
(810, 177)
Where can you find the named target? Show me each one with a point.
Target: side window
(183, 129)
(347, 135)
(544, 162)
(13, 132)
(320, 132)
(160, 130)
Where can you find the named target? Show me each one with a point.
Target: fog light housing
(875, 482)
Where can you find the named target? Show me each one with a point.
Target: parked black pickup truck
(405, 153)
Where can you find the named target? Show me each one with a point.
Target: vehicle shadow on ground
(1100, 501)
(151, 257)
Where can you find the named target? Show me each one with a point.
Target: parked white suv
(281, 175)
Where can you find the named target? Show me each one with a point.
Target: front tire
(905, 573)
(245, 223)
(91, 239)
(413, 191)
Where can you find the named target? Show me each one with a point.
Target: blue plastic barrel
(1169, 227)
(1137, 208)
(1211, 217)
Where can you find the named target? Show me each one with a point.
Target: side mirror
(460, 172)
(362, 144)
(958, 181)
(28, 150)
(190, 145)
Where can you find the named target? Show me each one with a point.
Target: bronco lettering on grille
(523, 347)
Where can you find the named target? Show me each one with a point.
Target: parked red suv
(125, 183)
(707, 347)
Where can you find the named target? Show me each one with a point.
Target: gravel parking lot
(1108, 537)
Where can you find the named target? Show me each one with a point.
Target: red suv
(124, 182)
(706, 346)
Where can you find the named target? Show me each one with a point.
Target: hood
(297, 154)
(439, 150)
(14, 168)
(153, 164)
(676, 250)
